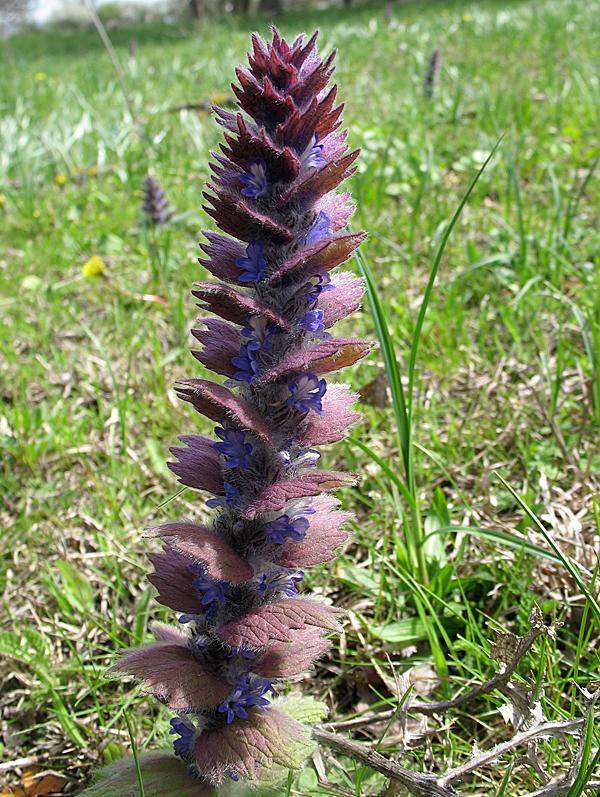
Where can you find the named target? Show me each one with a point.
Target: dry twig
(527, 717)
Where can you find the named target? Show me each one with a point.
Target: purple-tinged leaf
(276, 496)
(234, 306)
(281, 162)
(334, 146)
(336, 418)
(237, 217)
(322, 358)
(222, 252)
(173, 578)
(215, 401)
(322, 538)
(199, 465)
(276, 621)
(315, 184)
(169, 633)
(259, 98)
(220, 560)
(222, 343)
(343, 300)
(319, 117)
(267, 738)
(324, 256)
(171, 673)
(287, 659)
(337, 207)
(314, 81)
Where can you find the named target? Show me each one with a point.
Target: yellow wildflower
(60, 179)
(40, 76)
(93, 267)
(467, 17)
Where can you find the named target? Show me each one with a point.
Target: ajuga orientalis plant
(155, 207)
(244, 622)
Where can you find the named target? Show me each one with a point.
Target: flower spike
(244, 620)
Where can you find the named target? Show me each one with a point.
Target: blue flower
(313, 155)
(320, 229)
(312, 321)
(249, 691)
(281, 582)
(212, 591)
(234, 447)
(254, 264)
(184, 746)
(246, 365)
(259, 333)
(306, 393)
(245, 653)
(285, 527)
(187, 618)
(318, 284)
(229, 499)
(255, 179)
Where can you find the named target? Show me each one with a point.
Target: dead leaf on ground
(37, 784)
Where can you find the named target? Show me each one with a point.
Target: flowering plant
(243, 623)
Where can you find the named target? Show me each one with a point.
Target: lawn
(506, 383)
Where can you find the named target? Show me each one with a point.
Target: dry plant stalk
(523, 711)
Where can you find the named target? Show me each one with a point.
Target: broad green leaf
(403, 632)
(163, 776)
(76, 588)
(303, 708)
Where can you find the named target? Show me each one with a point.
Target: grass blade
(585, 772)
(136, 759)
(566, 561)
(389, 358)
(389, 472)
(502, 538)
(432, 277)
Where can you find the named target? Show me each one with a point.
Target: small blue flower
(193, 772)
(249, 691)
(234, 447)
(187, 618)
(318, 284)
(246, 365)
(252, 266)
(229, 499)
(212, 591)
(320, 230)
(281, 582)
(313, 154)
(255, 179)
(306, 393)
(245, 653)
(285, 527)
(312, 321)
(259, 333)
(184, 746)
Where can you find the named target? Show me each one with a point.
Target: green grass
(505, 382)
